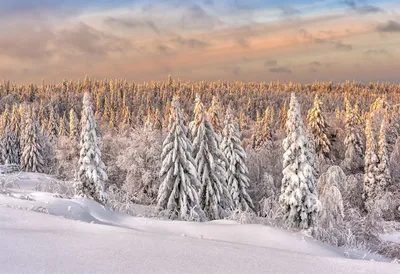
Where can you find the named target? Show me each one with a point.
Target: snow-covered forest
(322, 158)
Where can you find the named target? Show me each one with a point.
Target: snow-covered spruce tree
(214, 113)
(73, 125)
(210, 163)
(9, 146)
(237, 171)
(383, 173)
(52, 125)
(92, 171)
(298, 197)
(354, 155)
(371, 186)
(15, 127)
(178, 192)
(319, 126)
(63, 128)
(32, 158)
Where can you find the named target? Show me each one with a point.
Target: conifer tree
(52, 126)
(73, 125)
(32, 158)
(92, 174)
(383, 176)
(214, 197)
(214, 113)
(298, 197)
(237, 171)
(10, 151)
(178, 192)
(371, 166)
(15, 127)
(63, 129)
(354, 155)
(319, 126)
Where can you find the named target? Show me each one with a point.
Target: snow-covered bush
(66, 152)
(64, 188)
(141, 162)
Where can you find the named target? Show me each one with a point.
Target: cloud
(376, 52)
(190, 43)
(280, 70)
(390, 26)
(343, 47)
(288, 11)
(362, 9)
(243, 42)
(316, 64)
(85, 40)
(195, 17)
(132, 24)
(236, 70)
(270, 63)
(26, 42)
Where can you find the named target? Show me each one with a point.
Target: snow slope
(89, 238)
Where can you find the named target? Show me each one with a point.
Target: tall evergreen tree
(92, 171)
(215, 199)
(237, 171)
(73, 125)
(52, 124)
(32, 158)
(371, 167)
(319, 126)
(214, 113)
(298, 197)
(354, 155)
(178, 192)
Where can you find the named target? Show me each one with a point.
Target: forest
(321, 157)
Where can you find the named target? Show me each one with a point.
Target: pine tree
(32, 158)
(178, 192)
(15, 127)
(237, 171)
(10, 150)
(298, 197)
(92, 171)
(319, 126)
(214, 197)
(371, 166)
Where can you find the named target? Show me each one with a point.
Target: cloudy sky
(246, 40)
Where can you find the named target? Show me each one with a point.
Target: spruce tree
(63, 129)
(214, 197)
(32, 158)
(298, 197)
(92, 171)
(383, 176)
(10, 150)
(52, 125)
(178, 192)
(371, 167)
(237, 171)
(73, 125)
(15, 127)
(354, 154)
(214, 113)
(319, 126)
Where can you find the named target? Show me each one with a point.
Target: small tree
(73, 125)
(298, 197)
(237, 171)
(91, 175)
(178, 192)
(215, 199)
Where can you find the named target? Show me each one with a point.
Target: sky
(193, 40)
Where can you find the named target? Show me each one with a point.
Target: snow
(391, 237)
(81, 236)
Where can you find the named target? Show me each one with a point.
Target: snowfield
(43, 233)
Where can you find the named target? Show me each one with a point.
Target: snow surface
(81, 236)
